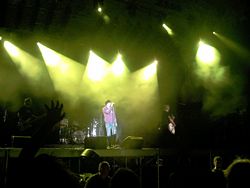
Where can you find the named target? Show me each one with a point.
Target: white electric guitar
(171, 125)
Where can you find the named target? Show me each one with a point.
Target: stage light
(103, 15)
(0, 38)
(207, 54)
(65, 73)
(207, 59)
(12, 49)
(118, 67)
(29, 66)
(51, 58)
(99, 78)
(168, 29)
(99, 9)
(97, 68)
(150, 70)
(239, 49)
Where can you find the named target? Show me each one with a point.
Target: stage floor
(74, 151)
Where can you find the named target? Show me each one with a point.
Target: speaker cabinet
(132, 142)
(99, 142)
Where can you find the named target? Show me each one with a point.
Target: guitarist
(25, 117)
(170, 119)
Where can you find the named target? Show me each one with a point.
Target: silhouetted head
(28, 101)
(125, 178)
(238, 173)
(217, 161)
(104, 169)
(107, 101)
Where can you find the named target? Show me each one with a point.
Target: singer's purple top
(109, 114)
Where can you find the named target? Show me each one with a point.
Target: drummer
(63, 131)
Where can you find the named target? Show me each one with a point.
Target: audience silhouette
(101, 178)
(189, 173)
(218, 178)
(125, 178)
(238, 173)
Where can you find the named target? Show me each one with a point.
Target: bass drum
(78, 137)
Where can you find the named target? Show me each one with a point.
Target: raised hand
(54, 112)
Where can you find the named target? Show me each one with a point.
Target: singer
(110, 121)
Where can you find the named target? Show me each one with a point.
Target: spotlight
(207, 54)
(168, 29)
(150, 70)
(99, 9)
(11, 48)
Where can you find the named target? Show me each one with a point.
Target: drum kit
(74, 134)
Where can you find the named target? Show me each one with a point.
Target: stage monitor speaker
(132, 142)
(99, 142)
(20, 141)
